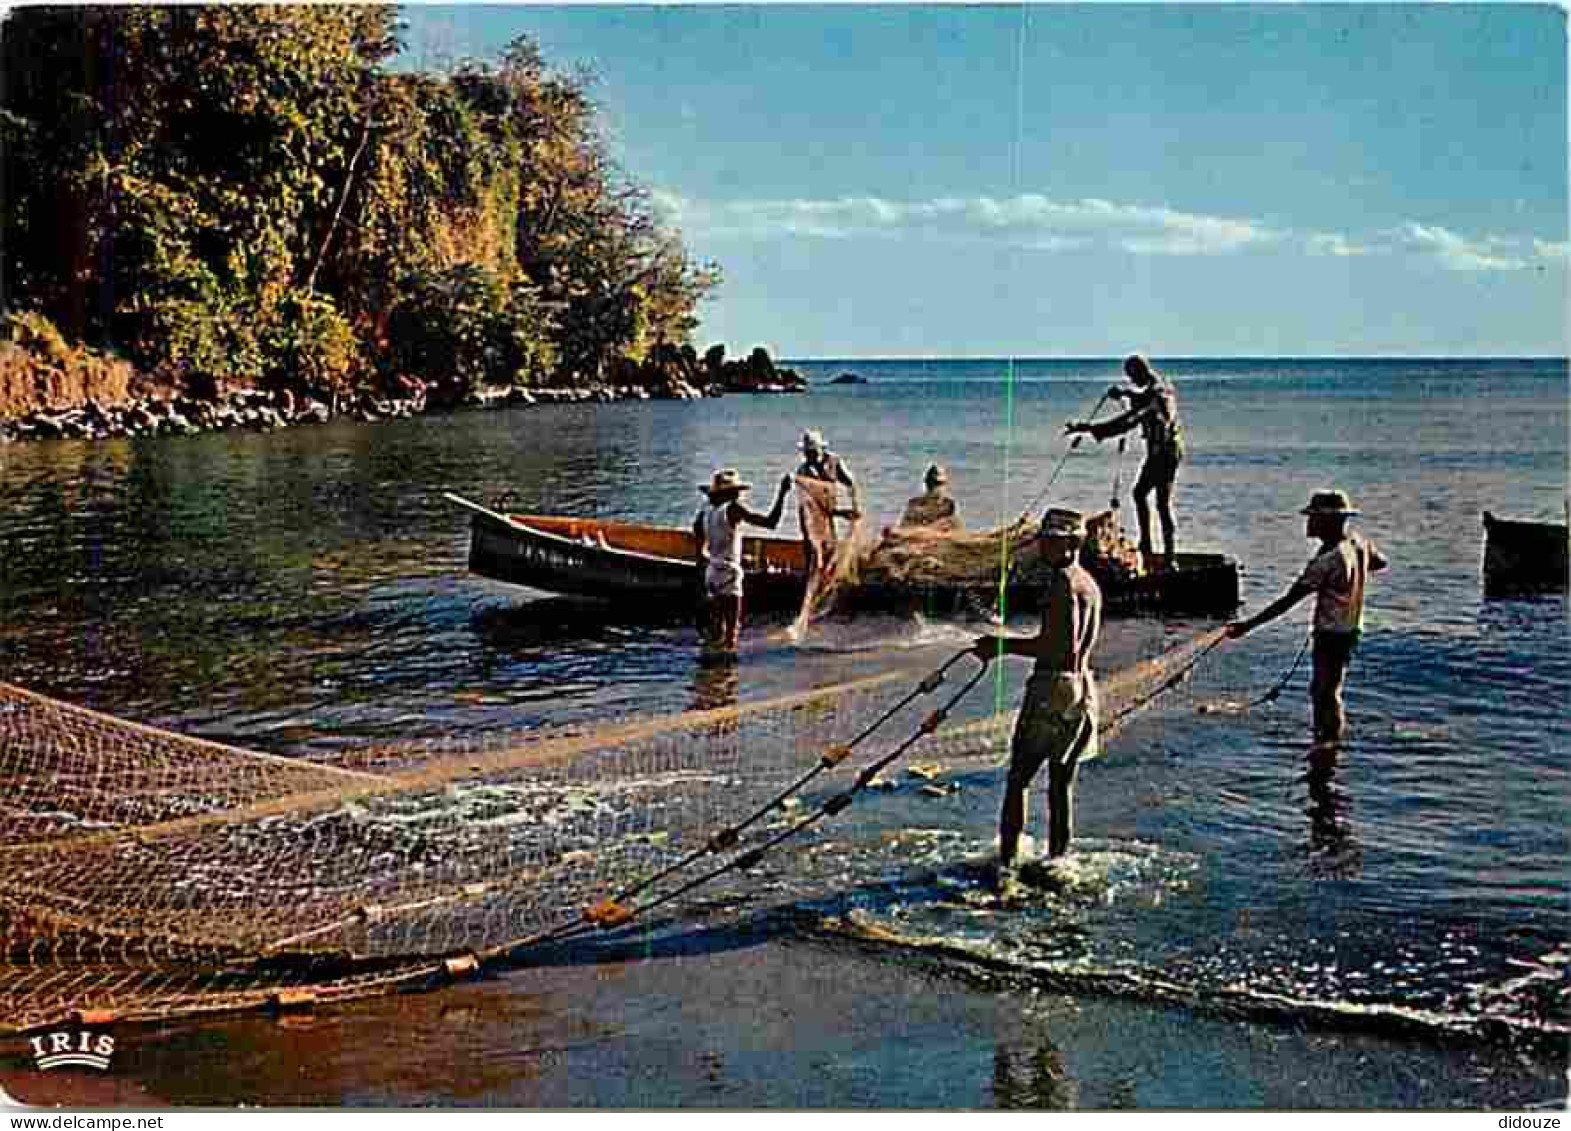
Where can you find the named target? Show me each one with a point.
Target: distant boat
(625, 563)
(1523, 557)
(849, 379)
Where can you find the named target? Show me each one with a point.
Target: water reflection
(715, 685)
(1332, 851)
(1033, 1077)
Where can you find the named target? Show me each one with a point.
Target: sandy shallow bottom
(743, 1016)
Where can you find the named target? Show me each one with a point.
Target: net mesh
(150, 874)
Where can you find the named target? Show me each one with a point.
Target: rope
(1118, 472)
(1271, 695)
(611, 912)
(1217, 636)
(1073, 445)
(836, 804)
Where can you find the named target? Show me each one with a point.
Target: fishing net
(917, 556)
(940, 557)
(146, 874)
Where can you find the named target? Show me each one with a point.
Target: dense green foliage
(248, 194)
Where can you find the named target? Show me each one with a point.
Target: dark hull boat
(1523, 557)
(655, 566)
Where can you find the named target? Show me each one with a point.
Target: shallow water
(304, 591)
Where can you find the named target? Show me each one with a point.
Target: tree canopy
(251, 195)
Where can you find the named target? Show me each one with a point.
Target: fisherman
(1337, 576)
(935, 509)
(1058, 719)
(822, 472)
(1153, 406)
(717, 535)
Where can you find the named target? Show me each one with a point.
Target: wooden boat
(655, 565)
(1523, 557)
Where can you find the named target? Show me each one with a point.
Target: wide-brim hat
(812, 440)
(1334, 503)
(1061, 523)
(726, 479)
(936, 474)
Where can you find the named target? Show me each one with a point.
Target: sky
(1087, 180)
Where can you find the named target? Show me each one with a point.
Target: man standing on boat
(1153, 406)
(1337, 576)
(819, 476)
(1059, 717)
(717, 532)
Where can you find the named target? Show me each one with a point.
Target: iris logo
(81, 1049)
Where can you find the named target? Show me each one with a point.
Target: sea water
(305, 590)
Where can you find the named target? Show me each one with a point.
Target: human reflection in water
(1033, 1077)
(1332, 852)
(715, 685)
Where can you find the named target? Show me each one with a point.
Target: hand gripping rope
(616, 910)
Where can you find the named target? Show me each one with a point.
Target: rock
(849, 379)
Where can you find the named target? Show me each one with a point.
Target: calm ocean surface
(301, 591)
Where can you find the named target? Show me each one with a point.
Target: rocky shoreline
(670, 375)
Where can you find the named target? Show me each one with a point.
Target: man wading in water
(820, 473)
(1153, 405)
(1337, 576)
(717, 531)
(1058, 720)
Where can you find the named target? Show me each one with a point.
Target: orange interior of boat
(769, 554)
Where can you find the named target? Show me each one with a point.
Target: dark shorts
(1160, 468)
(1334, 648)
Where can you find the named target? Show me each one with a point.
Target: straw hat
(726, 479)
(1060, 523)
(1334, 503)
(813, 441)
(936, 475)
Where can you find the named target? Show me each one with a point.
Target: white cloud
(1026, 220)
(1334, 244)
(1033, 221)
(1456, 252)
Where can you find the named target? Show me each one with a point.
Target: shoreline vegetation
(83, 395)
(224, 217)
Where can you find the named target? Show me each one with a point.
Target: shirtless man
(1058, 720)
(1153, 408)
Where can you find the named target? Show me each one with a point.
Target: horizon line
(1183, 357)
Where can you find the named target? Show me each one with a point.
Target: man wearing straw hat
(717, 533)
(1337, 576)
(1058, 719)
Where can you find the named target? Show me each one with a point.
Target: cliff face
(29, 383)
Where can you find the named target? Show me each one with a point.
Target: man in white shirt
(1337, 576)
(717, 538)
